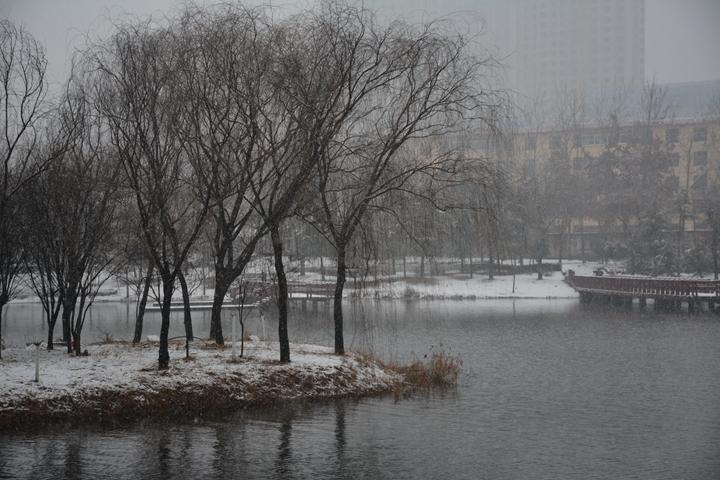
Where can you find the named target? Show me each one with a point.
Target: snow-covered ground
(480, 287)
(447, 286)
(119, 379)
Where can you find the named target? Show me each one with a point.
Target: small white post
(232, 318)
(37, 362)
(262, 322)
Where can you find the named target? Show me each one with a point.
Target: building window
(674, 159)
(672, 135)
(529, 167)
(531, 142)
(582, 163)
(700, 134)
(700, 159)
(593, 139)
(699, 183)
(625, 136)
(555, 142)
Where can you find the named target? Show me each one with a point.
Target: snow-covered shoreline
(446, 287)
(450, 286)
(119, 381)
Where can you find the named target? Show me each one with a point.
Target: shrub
(440, 371)
(410, 293)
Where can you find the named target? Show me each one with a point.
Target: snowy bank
(457, 286)
(460, 287)
(119, 381)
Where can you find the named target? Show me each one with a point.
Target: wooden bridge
(666, 293)
(298, 292)
(261, 291)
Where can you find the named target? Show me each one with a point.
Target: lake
(548, 390)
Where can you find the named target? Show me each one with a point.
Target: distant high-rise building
(589, 45)
(548, 45)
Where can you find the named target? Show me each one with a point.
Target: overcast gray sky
(682, 36)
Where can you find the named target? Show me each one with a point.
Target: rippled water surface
(549, 390)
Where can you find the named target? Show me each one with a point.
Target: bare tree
(139, 95)
(400, 84)
(136, 266)
(22, 95)
(73, 206)
(226, 79)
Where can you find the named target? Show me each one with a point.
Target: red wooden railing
(645, 287)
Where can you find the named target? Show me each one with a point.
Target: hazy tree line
(220, 131)
(613, 160)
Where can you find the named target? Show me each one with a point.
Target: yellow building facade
(692, 148)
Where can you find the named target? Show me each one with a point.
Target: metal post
(37, 362)
(262, 321)
(232, 318)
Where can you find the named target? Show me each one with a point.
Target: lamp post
(37, 361)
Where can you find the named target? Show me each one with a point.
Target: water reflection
(73, 462)
(340, 438)
(163, 455)
(548, 390)
(283, 464)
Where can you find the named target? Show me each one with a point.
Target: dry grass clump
(440, 370)
(410, 292)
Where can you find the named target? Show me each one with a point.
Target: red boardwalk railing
(645, 287)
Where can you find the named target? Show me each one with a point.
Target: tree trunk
(337, 301)
(221, 288)
(77, 328)
(715, 251)
(282, 296)
(186, 307)
(67, 315)
(491, 262)
(137, 337)
(2, 306)
(539, 269)
(76, 342)
(164, 354)
(66, 328)
(582, 239)
(51, 330)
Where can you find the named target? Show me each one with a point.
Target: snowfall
(451, 285)
(462, 287)
(118, 379)
(478, 287)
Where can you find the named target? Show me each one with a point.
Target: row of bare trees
(215, 127)
(22, 96)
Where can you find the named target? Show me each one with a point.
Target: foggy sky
(682, 36)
